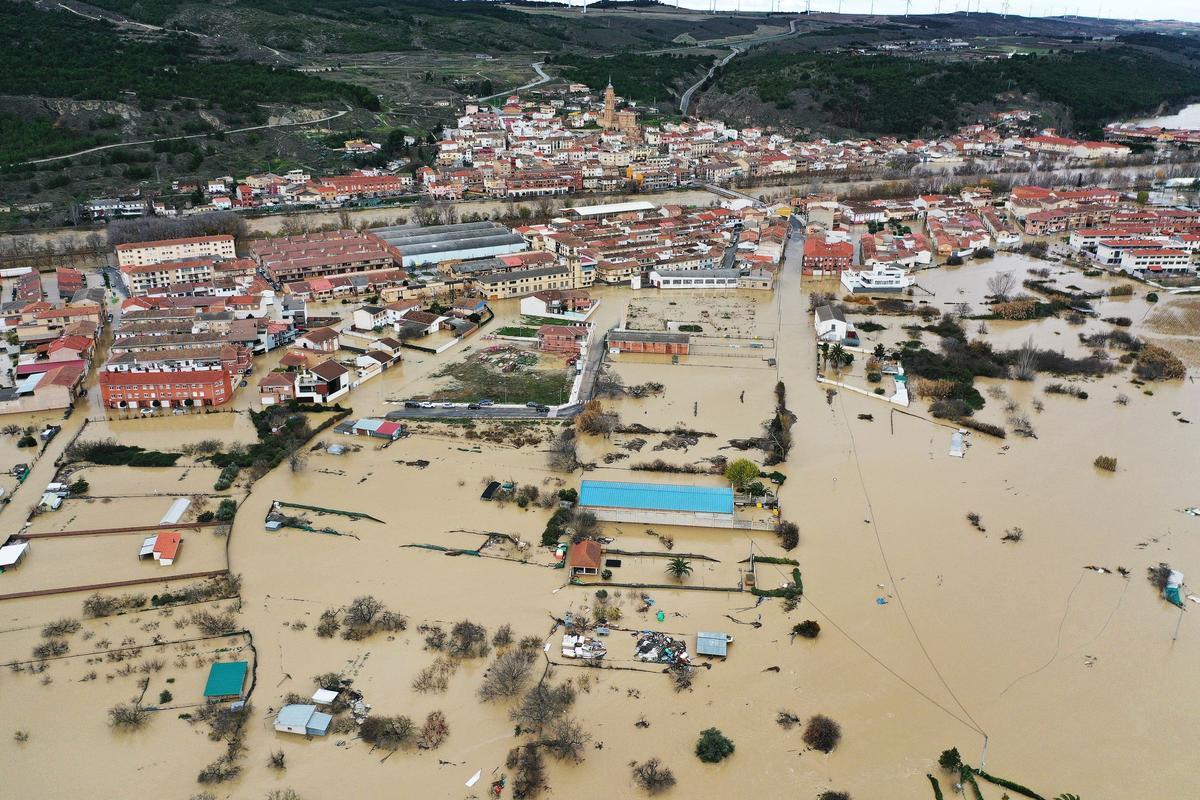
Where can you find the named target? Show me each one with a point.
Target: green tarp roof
(225, 679)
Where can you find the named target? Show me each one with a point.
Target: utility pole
(907, 4)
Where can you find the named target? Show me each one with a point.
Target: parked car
(179, 411)
(531, 404)
(487, 401)
(445, 405)
(147, 412)
(426, 404)
(473, 406)
(411, 404)
(541, 409)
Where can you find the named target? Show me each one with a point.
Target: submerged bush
(1156, 363)
(822, 733)
(713, 746)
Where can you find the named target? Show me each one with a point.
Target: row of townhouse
(56, 347)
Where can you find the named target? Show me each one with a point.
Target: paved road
(734, 50)
(178, 138)
(542, 78)
(686, 100)
(730, 258)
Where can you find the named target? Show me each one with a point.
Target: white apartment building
(137, 254)
(140, 279)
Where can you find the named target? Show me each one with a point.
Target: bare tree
(652, 776)
(363, 610)
(387, 733)
(468, 640)
(609, 384)
(433, 732)
(566, 739)
(543, 704)
(1001, 285)
(128, 716)
(1026, 361)
(562, 455)
(508, 674)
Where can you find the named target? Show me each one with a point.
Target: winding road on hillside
(302, 123)
(542, 78)
(734, 50)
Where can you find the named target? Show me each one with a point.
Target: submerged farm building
(225, 680)
(661, 503)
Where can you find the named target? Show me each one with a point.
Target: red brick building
(166, 379)
(822, 257)
(561, 338)
(672, 344)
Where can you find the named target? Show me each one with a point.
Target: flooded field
(934, 632)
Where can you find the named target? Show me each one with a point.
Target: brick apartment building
(313, 255)
(561, 338)
(163, 379)
(822, 257)
(141, 253)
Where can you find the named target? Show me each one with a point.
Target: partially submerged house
(585, 557)
(303, 719)
(11, 555)
(373, 427)
(831, 324)
(225, 681)
(163, 547)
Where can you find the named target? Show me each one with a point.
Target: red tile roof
(166, 544)
(585, 554)
(170, 242)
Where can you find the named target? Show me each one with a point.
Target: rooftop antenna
(807, 6)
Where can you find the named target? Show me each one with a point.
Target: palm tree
(837, 355)
(679, 568)
(824, 348)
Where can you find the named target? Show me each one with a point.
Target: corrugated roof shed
(712, 643)
(656, 497)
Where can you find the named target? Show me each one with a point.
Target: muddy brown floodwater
(1074, 676)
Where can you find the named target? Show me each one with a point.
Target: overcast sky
(1188, 10)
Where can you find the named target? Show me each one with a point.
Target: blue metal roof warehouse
(656, 497)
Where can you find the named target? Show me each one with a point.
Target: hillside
(317, 27)
(848, 93)
(643, 79)
(63, 56)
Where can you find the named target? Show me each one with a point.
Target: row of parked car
(484, 403)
